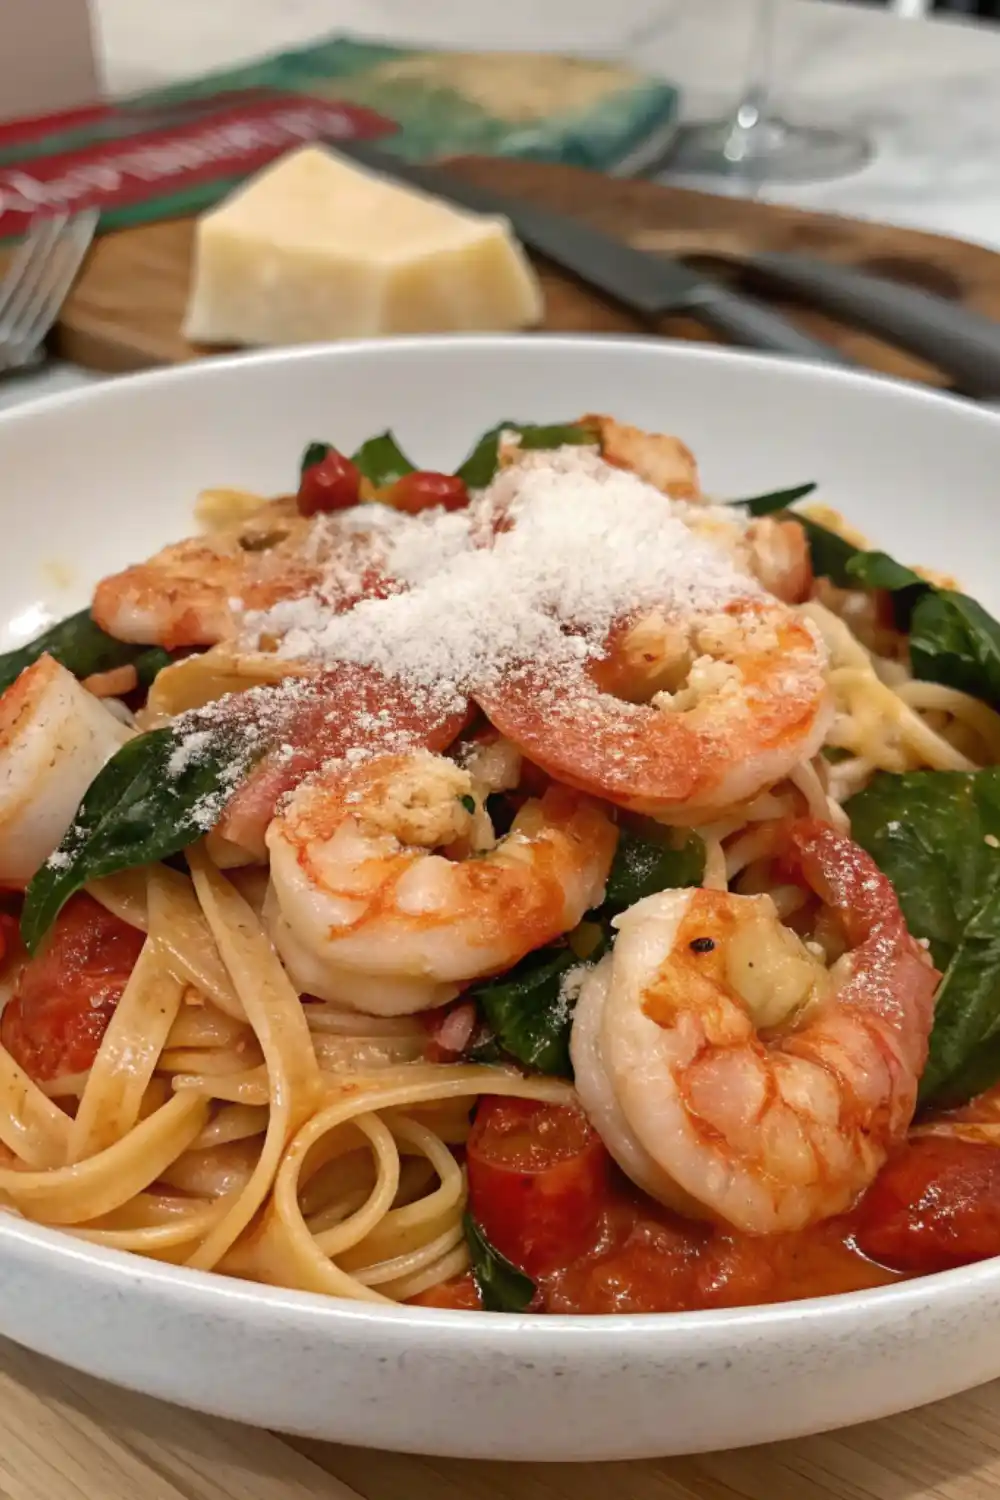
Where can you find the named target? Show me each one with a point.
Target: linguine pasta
(243, 1111)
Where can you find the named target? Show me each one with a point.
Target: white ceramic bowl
(96, 479)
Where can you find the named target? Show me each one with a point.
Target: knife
(645, 284)
(966, 345)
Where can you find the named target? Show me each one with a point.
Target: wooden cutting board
(126, 310)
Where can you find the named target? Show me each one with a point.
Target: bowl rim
(117, 387)
(211, 1293)
(59, 1252)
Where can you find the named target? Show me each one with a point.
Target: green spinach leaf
(481, 464)
(502, 1286)
(831, 554)
(150, 664)
(381, 460)
(936, 835)
(643, 865)
(78, 644)
(527, 1011)
(766, 505)
(150, 801)
(877, 570)
(955, 642)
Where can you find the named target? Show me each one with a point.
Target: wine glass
(756, 143)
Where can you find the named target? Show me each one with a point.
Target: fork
(38, 281)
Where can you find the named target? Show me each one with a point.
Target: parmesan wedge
(315, 248)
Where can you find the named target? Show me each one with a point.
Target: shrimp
(195, 592)
(778, 556)
(739, 700)
(346, 709)
(54, 738)
(660, 460)
(774, 552)
(365, 913)
(735, 1077)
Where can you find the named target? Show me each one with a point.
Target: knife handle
(741, 320)
(965, 344)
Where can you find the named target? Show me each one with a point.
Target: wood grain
(64, 1436)
(126, 310)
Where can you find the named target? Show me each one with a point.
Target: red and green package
(179, 150)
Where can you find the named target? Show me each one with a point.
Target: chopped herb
(469, 803)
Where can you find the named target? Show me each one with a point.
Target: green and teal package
(581, 111)
(178, 150)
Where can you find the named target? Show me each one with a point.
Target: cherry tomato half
(935, 1205)
(66, 996)
(423, 490)
(332, 484)
(538, 1181)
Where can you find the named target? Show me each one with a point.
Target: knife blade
(962, 343)
(647, 285)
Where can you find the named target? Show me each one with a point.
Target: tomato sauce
(645, 1259)
(66, 996)
(548, 1197)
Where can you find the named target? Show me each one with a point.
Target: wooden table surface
(65, 1436)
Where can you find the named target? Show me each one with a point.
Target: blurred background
(887, 111)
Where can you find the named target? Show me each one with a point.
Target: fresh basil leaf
(77, 643)
(147, 803)
(642, 866)
(955, 642)
(766, 505)
(481, 464)
(502, 1286)
(527, 1012)
(928, 833)
(314, 454)
(381, 460)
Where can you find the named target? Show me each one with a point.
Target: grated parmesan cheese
(539, 569)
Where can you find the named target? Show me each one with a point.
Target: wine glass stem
(760, 73)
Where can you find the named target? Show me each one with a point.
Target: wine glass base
(769, 150)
